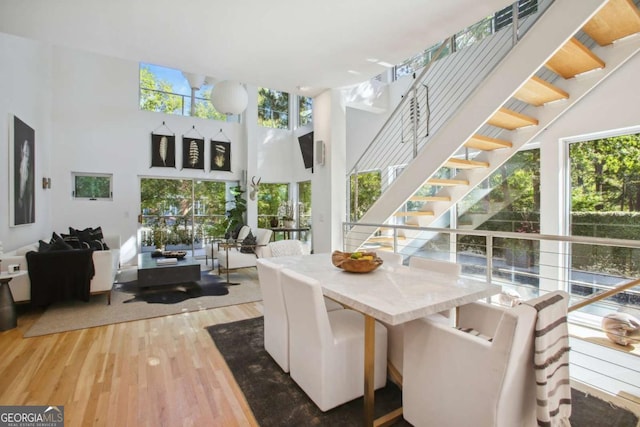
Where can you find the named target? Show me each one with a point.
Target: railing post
(514, 20)
(489, 272)
(355, 195)
(415, 112)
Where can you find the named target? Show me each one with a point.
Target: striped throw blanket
(551, 360)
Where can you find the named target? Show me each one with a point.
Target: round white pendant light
(229, 97)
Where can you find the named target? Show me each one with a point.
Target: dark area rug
(208, 285)
(276, 400)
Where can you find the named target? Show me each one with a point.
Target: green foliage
(270, 196)
(152, 100)
(369, 190)
(235, 215)
(605, 174)
(93, 186)
(273, 108)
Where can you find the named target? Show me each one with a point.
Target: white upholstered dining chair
(326, 349)
(483, 378)
(276, 322)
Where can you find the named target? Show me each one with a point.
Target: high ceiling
(281, 44)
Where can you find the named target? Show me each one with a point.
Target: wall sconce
(46, 183)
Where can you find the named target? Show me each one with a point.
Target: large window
(270, 197)
(181, 213)
(605, 202)
(167, 90)
(305, 110)
(273, 108)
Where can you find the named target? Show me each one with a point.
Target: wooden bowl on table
(363, 262)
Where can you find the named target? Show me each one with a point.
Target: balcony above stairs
(511, 107)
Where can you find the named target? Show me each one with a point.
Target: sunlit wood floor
(164, 371)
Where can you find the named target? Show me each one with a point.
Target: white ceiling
(281, 44)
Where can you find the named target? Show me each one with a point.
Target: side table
(8, 317)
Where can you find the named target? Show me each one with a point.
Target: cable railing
(442, 86)
(528, 264)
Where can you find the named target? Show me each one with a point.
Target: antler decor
(255, 187)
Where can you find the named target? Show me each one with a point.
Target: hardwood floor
(163, 371)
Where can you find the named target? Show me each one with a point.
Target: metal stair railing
(445, 83)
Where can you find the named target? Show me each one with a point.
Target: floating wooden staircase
(617, 19)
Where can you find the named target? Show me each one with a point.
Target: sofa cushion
(90, 237)
(54, 245)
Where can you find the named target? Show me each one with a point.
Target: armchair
(484, 378)
(232, 258)
(326, 349)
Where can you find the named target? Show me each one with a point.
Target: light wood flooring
(164, 371)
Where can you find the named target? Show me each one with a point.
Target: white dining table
(394, 294)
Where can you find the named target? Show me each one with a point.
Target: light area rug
(74, 315)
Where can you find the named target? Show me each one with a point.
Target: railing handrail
(508, 234)
(606, 294)
(400, 105)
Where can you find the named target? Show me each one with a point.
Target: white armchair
(455, 378)
(276, 322)
(233, 258)
(326, 349)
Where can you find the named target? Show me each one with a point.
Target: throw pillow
(43, 246)
(248, 244)
(72, 240)
(90, 237)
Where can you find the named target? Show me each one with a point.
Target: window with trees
(368, 191)
(270, 197)
(273, 108)
(181, 212)
(605, 202)
(166, 90)
(304, 199)
(92, 186)
(305, 110)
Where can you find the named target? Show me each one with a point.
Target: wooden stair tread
(430, 199)
(447, 182)
(572, 59)
(486, 143)
(413, 213)
(538, 92)
(616, 19)
(465, 164)
(511, 120)
(383, 239)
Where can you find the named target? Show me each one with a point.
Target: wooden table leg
(369, 371)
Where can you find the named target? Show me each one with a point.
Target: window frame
(74, 186)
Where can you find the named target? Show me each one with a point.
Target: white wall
(98, 127)
(25, 82)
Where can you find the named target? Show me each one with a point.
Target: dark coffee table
(150, 273)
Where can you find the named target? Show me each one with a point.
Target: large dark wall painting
(163, 151)
(192, 153)
(22, 161)
(220, 156)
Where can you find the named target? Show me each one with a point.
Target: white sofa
(105, 263)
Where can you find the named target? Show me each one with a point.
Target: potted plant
(235, 215)
(285, 211)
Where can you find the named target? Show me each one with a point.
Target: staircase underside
(549, 45)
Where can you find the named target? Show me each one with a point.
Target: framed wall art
(163, 151)
(22, 199)
(220, 156)
(192, 153)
